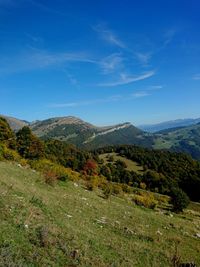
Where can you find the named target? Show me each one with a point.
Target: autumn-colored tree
(90, 167)
(28, 145)
(6, 134)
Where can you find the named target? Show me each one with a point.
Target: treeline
(30, 147)
(163, 170)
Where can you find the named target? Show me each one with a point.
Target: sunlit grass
(66, 225)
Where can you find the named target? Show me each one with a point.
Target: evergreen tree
(7, 136)
(28, 145)
(179, 199)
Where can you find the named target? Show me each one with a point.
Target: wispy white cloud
(140, 94)
(155, 87)
(110, 99)
(111, 63)
(39, 59)
(71, 78)
(109, 36)
(169, 36)
(113, 98)
(143, 58)
(33, 38)
(196, 76)
(127, 79)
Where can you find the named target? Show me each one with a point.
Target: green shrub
(117, 189)
(23, 162)
(90, 185)
(92, 182)
(50, 170)
(145, 199)
(107, 190)
(143, 186)
(126, 189)
(8, 154)
(179, 199)
(162, 199)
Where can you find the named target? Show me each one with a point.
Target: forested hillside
(61, 205)
(162, 170)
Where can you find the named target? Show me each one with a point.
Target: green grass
(190, 134)
(161, 143)
(131, 165)
(66, 225)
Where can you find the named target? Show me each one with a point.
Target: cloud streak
(114, 98)
(169, 36)
(127, 79)
(140, 94)
(155, 87)
(109, 36)
(143, 58)
(111, 63)
(39, 59)
(196, 77)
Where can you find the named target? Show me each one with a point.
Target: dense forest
(163, 171)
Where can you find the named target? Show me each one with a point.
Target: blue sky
(104, 61)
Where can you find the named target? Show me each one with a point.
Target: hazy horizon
(109, 124)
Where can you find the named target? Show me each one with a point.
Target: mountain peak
(15, 124)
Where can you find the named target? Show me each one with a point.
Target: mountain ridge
(85, 135)
(153, 128)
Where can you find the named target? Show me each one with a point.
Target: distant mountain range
(85, 135)
(152, 128)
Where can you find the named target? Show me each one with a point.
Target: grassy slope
(131, 165)
(173, 136)
(36, 227)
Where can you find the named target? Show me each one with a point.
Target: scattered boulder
(74, 254)
(197, 235)
(101, 220)
(128, 231)
(159, 233)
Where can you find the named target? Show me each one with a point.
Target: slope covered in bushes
(67, 225)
